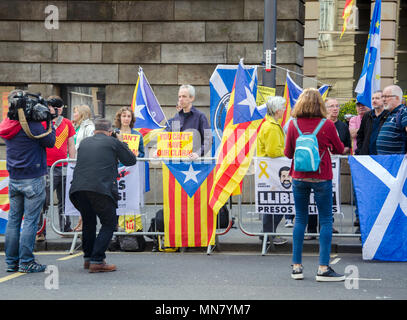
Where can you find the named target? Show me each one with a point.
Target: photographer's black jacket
(96, 166)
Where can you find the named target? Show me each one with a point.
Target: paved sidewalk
(235, 240)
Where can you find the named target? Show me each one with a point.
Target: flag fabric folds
(221, 84)
(382, 216)
(4, 199)
(188, 219)
(147, 109)
(235, 153)
(369, 80)
(346, 13)
(291, 93)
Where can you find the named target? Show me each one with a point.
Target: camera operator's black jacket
(96, 166)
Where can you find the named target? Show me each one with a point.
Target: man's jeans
(27, 196)
(323, 199)
(91, 205)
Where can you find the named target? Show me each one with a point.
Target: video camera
(34, 106)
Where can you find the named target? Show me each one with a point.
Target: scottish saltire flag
(346, 14)
(369, 80)
(291, 93)
(221, 84)
(188, 219)
(147, 109)
(4, 199)
(380, 185)
(235, 153)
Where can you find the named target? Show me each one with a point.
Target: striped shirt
(390, 139)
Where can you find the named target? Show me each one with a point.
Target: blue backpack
(306, 154)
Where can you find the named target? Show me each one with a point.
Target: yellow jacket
(270, 140)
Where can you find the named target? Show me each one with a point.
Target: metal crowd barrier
(250, 221)
(148, 211)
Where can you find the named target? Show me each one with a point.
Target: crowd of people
(380, 130)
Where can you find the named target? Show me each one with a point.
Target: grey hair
(274, 104)
(103, 125)
(190, 89)
(396, 90)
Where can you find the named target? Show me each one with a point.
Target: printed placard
(174, 144)
(273, 187)
(133, 141)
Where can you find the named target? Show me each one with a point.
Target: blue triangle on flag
(190, 175)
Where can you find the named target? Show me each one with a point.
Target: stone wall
(175, 41)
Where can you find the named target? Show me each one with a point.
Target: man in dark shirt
(191, 119)
(332, 107)
(370, 126)
(94, 191)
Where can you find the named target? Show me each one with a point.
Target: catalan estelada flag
(242, 123)
(147, 109)
(188, 219)
(4, 199)
(291, 93)
(346, 13)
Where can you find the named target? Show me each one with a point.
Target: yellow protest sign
(263, 93)
(174, 144)
(133, 141)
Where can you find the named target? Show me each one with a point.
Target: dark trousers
(271, 221)
(91, 205)
(59, 187)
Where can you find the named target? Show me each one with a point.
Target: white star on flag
(191, 174)
(137, 111)
(249, 101)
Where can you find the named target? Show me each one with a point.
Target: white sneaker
(289, 223)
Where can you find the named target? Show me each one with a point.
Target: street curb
(65, 245)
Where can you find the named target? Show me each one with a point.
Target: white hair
(190, 89)
(396, 90)
(274, 104)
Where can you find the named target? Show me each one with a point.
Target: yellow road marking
(70, 256)
(11, 276)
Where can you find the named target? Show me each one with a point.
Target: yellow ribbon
(263, 166)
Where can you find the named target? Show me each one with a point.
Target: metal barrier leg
(264, 246)
(75, 237)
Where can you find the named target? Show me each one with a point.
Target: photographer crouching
(94, 191)
(26, 143)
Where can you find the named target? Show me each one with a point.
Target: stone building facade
(94, 55)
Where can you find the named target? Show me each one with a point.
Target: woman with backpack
(309, 174)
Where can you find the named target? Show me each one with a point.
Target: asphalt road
(197, 276)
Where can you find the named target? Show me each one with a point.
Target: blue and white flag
(380, 186)
(221, 84)
(369, 80)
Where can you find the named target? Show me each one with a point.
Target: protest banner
(273, 187)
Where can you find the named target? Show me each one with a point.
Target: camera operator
(94, 191)
(27, 167)
(64, 144)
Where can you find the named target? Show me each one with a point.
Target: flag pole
(269, 42)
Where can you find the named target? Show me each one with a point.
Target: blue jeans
(27, 197)
(323, 199)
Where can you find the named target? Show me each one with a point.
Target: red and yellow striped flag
(238, 143)
(347, 10)
(188, 220)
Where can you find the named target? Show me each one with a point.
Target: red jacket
(328, 142)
